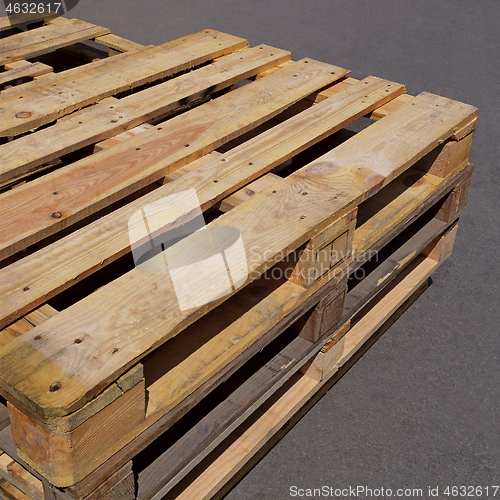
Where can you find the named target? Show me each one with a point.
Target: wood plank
(46, 39)
(391, 267)
(16, 20)
(73, 72)
(402, 201)
(106, 119)
(248, 191)
(25, 324)
(95, 182)
(41, 314)
(4, 417)
(107, 486)
(35, 69)
(191, 448)
(16, 474)
(11, 492)
(364, 174)
(298, 390)
(265, 429)
(203, 350)
(107, 239)
(118, 43)
(50, 101)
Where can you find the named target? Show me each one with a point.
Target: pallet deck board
(32, 70)
(93, 183)
(16, 20)
(106, 119)
(65, 263)
(47, 38)
(409, 123)
(48, 102)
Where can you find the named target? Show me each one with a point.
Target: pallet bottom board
(227, 465)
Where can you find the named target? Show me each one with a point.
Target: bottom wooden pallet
(207, 456)
(220, 471)
(240, 452)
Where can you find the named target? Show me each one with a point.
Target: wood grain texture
(106, 239)
(250, 444)
(67, 458)
(35, 69)
(111, 117)
(47, 38)
(16, 474)
(407, 135)
(48, 102)
(454, 204)
(448, 157)
(401, 201)
(118, 43)
(75, 72)
(124, 490)
(120, 476)
(95, 182)
(16, 20)
(244, 448)
(10, 492)
(391, 267)
(248, 191)
(4, 417)
(322, 318)
(191, 448)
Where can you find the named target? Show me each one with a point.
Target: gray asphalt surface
(421, 408)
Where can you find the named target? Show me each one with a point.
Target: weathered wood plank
(46, 39)
(106, 119)
(52, 100)
(248, 191)
(391, 267)
(118, 43)
(4, 417)
(16, 20)
(16, 474)
(191, 448)
(108, 238)
(35, 69)
(358, 168)
(85, 187)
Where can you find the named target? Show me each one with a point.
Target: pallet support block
(323, 317)
(450, 156)
(454, 203)
(326, 360)
(65, 455)
(328, 248)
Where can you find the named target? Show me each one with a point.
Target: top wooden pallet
(87, 147)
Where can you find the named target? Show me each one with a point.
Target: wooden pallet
(340, 231)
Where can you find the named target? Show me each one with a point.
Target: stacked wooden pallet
(114, 387)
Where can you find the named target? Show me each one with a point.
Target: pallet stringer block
(329, 247)
(67, 449)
